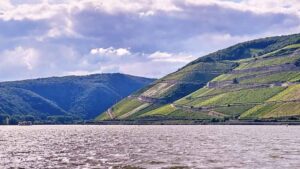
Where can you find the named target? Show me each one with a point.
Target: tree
(13, 121)
(29, 118)
(214, 120)
(3, 118)
(60, 119)
(235, 81)
(297, 63)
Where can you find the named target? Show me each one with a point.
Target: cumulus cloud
(110, 51)
(18, 61)
(27, 58)
(142, 37)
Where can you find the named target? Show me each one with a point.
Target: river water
(150, 147)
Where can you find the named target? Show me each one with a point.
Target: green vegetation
(273, 110)
(293, 46)
(244, 96)
(245, 50)
(191, 115)
(64, 99)
(224, 77)
(122, 108)
(269, 62)
(272, 58)
(276, 77)
(173, 87)
(139, 113)
(236, 95)
(3, 119)
(125, 106)
(164, 110)
(170, 111)
(277, 110)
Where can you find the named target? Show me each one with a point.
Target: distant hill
(65, 99)
(254, 80)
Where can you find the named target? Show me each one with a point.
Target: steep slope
(261, 87)
(19, 101)
(224, 84)
(81, 97)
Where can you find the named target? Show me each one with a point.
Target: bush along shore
(213, 121)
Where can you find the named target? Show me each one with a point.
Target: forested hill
(65, 99)
(253, 80)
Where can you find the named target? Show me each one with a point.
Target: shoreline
(171, 122)
(192, 122)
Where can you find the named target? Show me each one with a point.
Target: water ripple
(132, 147)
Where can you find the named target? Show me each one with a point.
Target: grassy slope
(257, 53)
(226, 97)
(279, 109)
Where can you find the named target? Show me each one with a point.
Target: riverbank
(190, 122)
(175, 122)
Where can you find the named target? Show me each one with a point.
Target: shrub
(3, 119)
(29, 118)
(235, 81)
(13, 121)
(214, 120)
(297, 63)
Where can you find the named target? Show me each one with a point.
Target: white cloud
(45, 9)
(282, 6)
(110, 51)
(160, 55)
(18, 62)
(256, 6)
(4, 5)
(148, 13)
(148, 38)
(26, 58)
(26, 62)
(171, 58)
(29, 11)
(62, 27)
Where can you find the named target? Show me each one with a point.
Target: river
(78, 146)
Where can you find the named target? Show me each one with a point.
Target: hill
(65, 99)
(253, 80)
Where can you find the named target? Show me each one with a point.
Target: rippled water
(150, 146)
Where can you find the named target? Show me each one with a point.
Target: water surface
(150, 146)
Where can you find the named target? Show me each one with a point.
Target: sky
(151, 38)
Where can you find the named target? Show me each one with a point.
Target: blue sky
(42, 38)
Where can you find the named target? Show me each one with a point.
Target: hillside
(65, 98)
(258, 79)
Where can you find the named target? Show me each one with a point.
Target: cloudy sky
(41, 38)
